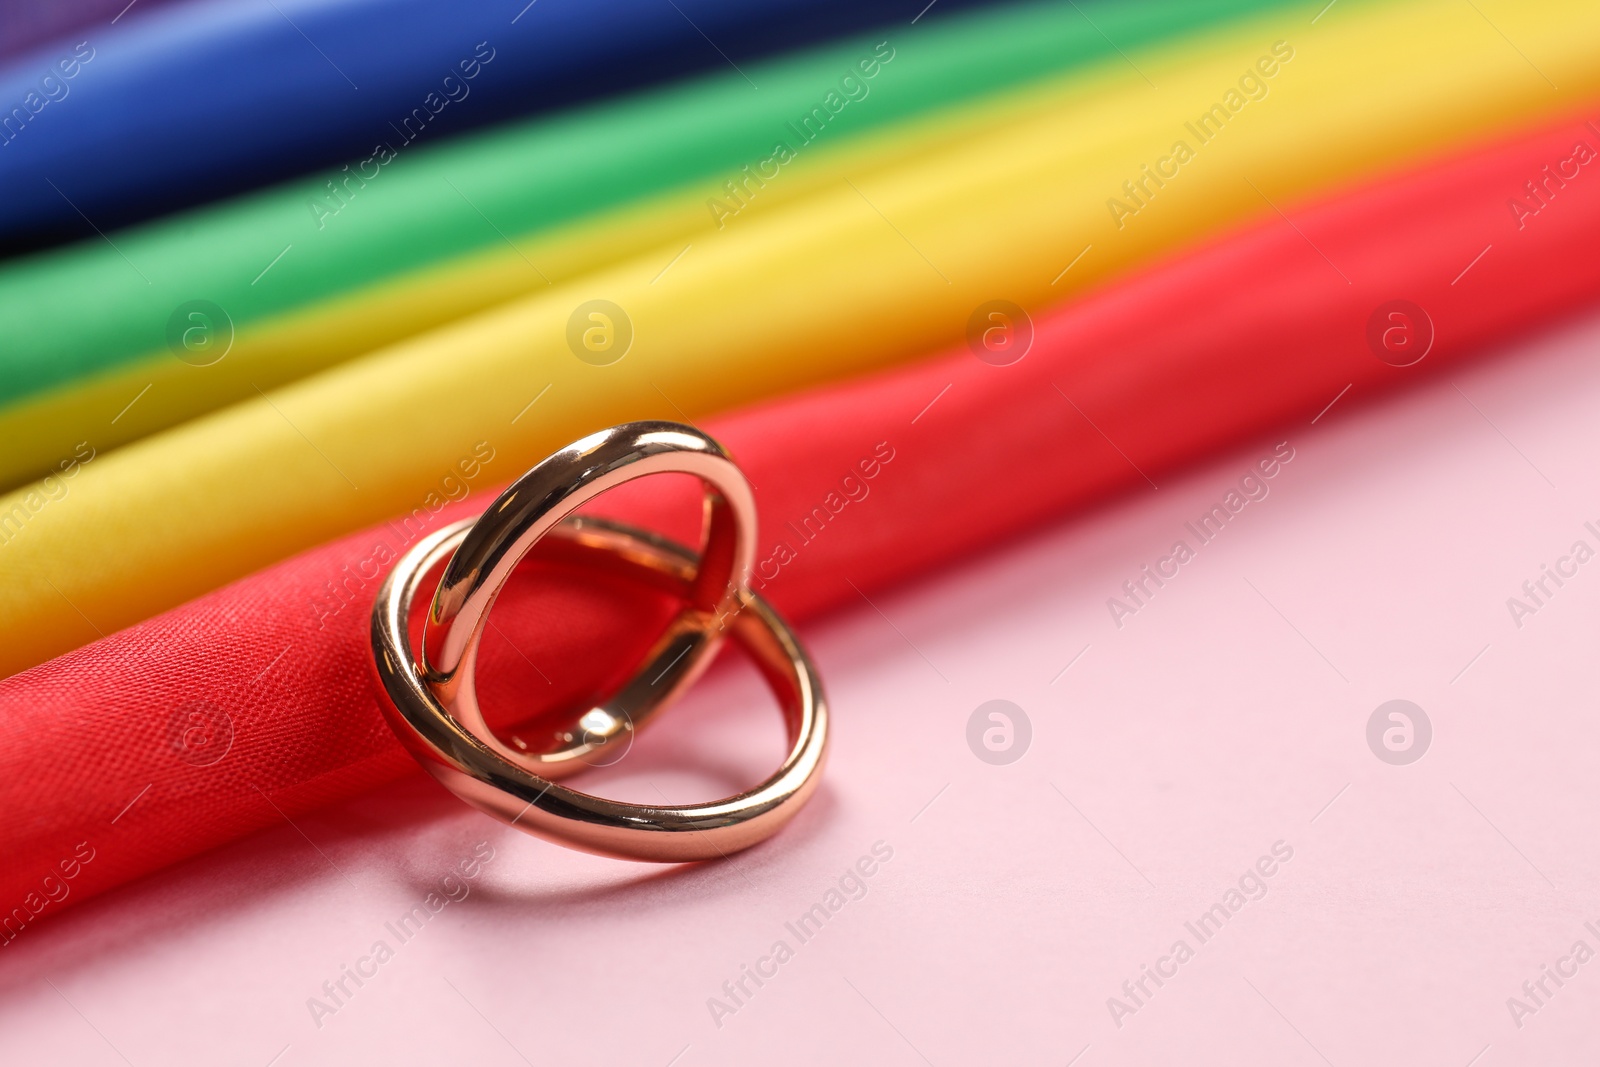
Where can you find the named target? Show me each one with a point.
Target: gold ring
(463, 754)
(533, 505)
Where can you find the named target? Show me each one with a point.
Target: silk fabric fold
(854, 277)
(337, 265)
(206, 99)
(254, 703)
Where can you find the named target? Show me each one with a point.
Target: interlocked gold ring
(532, 506)
(435, 713)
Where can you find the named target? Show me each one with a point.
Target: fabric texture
(310, 274)
(292, 85)
(30, 26)
(851, 278)
(254, 702)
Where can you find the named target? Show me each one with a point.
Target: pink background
(1227, 715)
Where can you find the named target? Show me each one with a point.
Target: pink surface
(1228, 714)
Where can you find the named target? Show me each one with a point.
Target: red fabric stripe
(1266, 325)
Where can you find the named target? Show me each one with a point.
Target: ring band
(481, 774)
(532, 506)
